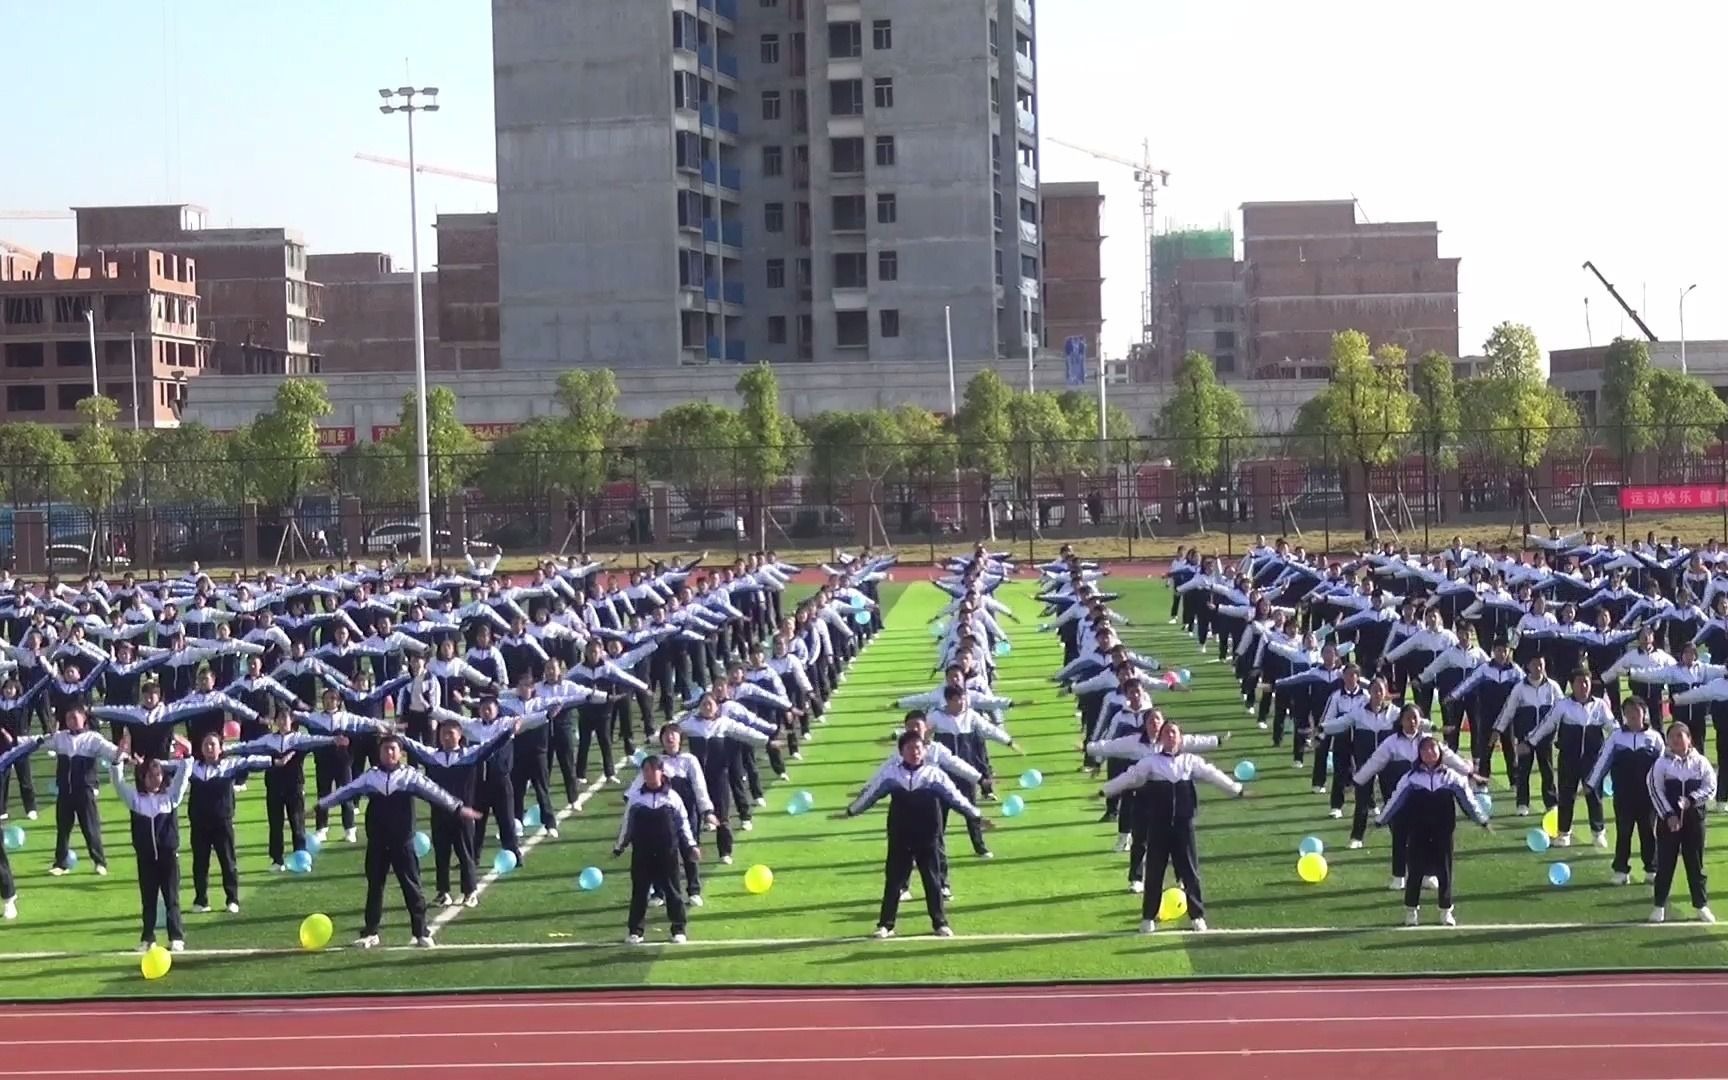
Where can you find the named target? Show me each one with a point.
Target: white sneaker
(947, 893)
(101, 869)
(656, 901)
(349, 836)
(370, 941)
(695, 899)
(1412, 916)
(176, 945)
(1447, 918)
(1523, 811)
(1261, 725)
(1620, 879)
(9, 910)
(472, 900)
(1138, 888)
(882, 932)
(1563, 840)
(31, 815)
(679, 939)
(760, 801)
(1395, 885)
(777, 776)
(424, 942)
(796, 756)
(1122, 842)
(278, 867)
(1599, 838)
(905, 895)
(1319, 789)
(200, 909)
(1430, 882)
(144, 946)
(1355, 845)
(1722, 808)
(1705, 915)
(322, 835)
(944, 931)
(1659, 915)
(443, 900)
(1149, 926)
(1334, 813)
(57, 871)
(1198, 926)
(633, 939)
(233, 909)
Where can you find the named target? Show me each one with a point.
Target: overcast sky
(1538, 133)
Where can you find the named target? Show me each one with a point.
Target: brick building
(1073, 265)
(145, 308)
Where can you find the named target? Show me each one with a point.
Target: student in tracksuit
(919, 795)
(15, 706)
(1484, 692)
(1165, 781)
(1133, 736)
(656, 829)
(683, 773)
(1627, 757)
(11, 750)
(963, 731)
(155, 806)
(1525, 708)
(1333, 747)
(1582, 723)
(79, 755)
(1422, 807)
(210, 813)
(390, 790)
(711, 735)
(284, 782)
(1681, 784)
(1390, 761)
(455, 768)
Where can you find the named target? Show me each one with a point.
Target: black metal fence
(1135, 498)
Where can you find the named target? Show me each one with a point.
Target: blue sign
(1074, 349)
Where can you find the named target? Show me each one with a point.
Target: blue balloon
(1311, 845)
(14, 837)
(590, 878)
(504, 862)
(1004, 647)
(1184, 676)
(532, 818)
(1559, 874)
(1608, 787)
(1013, 806)
(861, 617)
(859, 601)
(1031, 779)
(313, 844)
(1485, 803)
(422, 845)
(937, 629)
(299, 862)
(1536, 840)
(1245, 771)
(803, 800)
(71, 859)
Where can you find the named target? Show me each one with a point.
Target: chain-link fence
(1136, 498)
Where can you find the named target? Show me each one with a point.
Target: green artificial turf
(1054, 875)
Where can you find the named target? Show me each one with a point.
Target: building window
(68, 395)
(776, 273)
(845, 41)
(994, 47)
(882, 31)
(852, 329)
(1224, 339)
(688, 147)
(770, 48)
(802, 269)
(995, 94)
(776, 329)
(686, 90)
(26, 398)
(690, 273)
(1028, 266)
(851, 270)
(770, 104)
(890, 320)
(848, 213)
(773, 217)
(1223, 314)
(846, 97)
(887, 208)
(773, 161)
(884, 150)
(998, 266)
(888, 266)
(846, 156)
(884, 93)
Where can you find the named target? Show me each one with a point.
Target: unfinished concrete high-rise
(686, 181)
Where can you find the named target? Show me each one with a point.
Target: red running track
(1623, 1027)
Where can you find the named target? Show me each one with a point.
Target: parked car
(77, 557)
(403, 537)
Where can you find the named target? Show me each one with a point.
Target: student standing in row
(155, 806)
(1422, 805)
(1626, 758)
(1681, 785)
(656, 829)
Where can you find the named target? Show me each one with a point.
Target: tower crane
(1150, 180)
(429, 170)
(1615, 293)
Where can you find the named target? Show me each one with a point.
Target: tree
(98, 474)
(851, 446)
(692, 447)
(1368, 410)
(1692, 416)
(1627, 414)
(1081, 409)
(1511, 407)
(1198, 421)
(35, 464)
(452, 451)
(185, 464)
(929, 451)
(1436, 413)
(1038, 429)
(982, 425)
(575, 449)
(277, 456)
(765, 457)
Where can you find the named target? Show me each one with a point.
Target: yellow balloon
(1172, 905)
(315, 932)
(1312, 868)
(155, 962)
(1551, 822)
(758, 880)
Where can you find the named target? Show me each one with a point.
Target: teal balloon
(1245, 771)
(532, 817)
(1536, 840)
(299, 862)
(14, 837)
(71, 859)
(1031, 779)
(859, 602)
(861, 617)
(1559, 874)
(1608, 787)
(504, 862)
(1013, 806)
(313, 844)
(590, 878)
(1184, 676)
(1311, 845)
(422, 845)
(801, 802)
(638, 758)
(1004, 647)
(1485, 803)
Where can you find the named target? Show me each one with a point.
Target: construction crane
(1150, 180)
(1615, 293)
(429, 170)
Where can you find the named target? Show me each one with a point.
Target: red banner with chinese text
(1674, 497)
